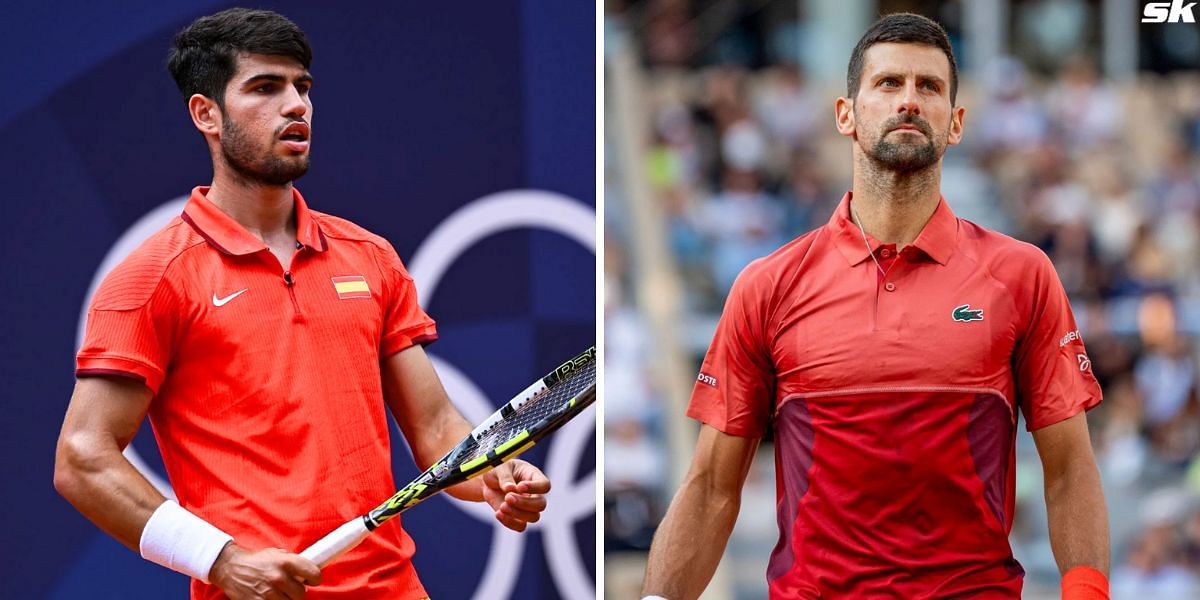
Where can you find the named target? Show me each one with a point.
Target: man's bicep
(1061, 443)
(107, 407)
(722, 460)
(413, 391)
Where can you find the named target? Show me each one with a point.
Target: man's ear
(843, 115)
(956, 125)
(206, 114)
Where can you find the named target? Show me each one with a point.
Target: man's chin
(904, 157)
(279, 178)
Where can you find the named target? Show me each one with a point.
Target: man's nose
(908, 101)
(294, 105)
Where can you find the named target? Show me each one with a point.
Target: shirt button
(886, 253)
(889, 286)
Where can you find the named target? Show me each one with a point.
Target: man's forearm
(93, 475)
(1078, 518)
(441, 439)
(690, 541)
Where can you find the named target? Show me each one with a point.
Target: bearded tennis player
(264, 340)
(890, 351)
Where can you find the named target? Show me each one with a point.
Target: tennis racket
(533, 414)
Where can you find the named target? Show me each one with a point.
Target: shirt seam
(161, 278)
(319, 218)
(110, 356)
(1064, 414)
(899, 388)
(771, 320)
(1008, 291)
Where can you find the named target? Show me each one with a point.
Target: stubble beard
(904, 158)
(265, 169)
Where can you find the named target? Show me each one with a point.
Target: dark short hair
(905, 28)
(204, 57)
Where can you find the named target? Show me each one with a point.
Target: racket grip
(337, 542)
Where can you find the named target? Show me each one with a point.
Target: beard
(263, 168)
(905, 157)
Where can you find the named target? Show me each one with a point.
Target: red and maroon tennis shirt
(893, 399)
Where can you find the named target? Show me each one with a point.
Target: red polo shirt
(268, 406)
(894, 402)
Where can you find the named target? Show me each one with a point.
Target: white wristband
(181, 541)
(653, 598)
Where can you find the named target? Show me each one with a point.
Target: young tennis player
(263, 339)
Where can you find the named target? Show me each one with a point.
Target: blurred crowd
(742, 156)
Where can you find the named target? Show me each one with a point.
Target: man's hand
(515, 490)
(263, 575)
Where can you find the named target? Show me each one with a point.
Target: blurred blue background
(420, 110)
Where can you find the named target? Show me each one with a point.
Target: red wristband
(1084, 583)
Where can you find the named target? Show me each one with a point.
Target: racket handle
(337, 542)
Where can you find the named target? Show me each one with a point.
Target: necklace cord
(858, 221)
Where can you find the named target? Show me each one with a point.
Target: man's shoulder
(347, 230)
(134, 280)
(1017, 264)
(1000, 249)
(788, 258)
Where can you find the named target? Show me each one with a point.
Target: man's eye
(931, 86)
(889, 82)
(263, 88)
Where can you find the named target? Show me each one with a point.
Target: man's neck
(265, 211)
(894, 208)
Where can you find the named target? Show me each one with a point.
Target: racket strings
(546, 404)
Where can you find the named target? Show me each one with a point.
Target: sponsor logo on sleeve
(706, 378)
(1085, 363)
(1070, 337)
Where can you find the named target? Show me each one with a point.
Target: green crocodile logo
(966, 314)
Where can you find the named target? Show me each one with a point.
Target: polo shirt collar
(937, 239)
(230, 237)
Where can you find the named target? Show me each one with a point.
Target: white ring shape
(568, 501)
(128, 242)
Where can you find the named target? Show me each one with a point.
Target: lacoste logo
(706, 378)
(223, 301)
(965, 313)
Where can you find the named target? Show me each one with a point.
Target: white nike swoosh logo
(223, 301)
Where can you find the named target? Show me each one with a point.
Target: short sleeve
(405, 323)
(736, 381)
(131, 329)
(1053, 372)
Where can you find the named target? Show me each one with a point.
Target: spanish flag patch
(351, 286)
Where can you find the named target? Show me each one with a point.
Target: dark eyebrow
(934, 78)
(920, 76)
(275, 78)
